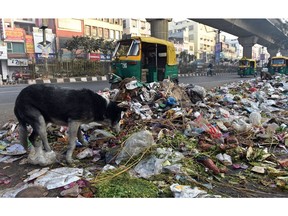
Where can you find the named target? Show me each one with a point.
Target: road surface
(9, 93)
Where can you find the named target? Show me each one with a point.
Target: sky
(148, 8)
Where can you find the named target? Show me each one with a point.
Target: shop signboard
(104, 57)
(94, 56)
(14, 34)
(29, 44)
(17, 62)
(218, 50)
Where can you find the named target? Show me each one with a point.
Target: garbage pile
(176, 141)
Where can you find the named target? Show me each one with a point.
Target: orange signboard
(29, 44)
(16, 34)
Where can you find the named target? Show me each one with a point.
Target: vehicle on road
(24, 75)
(148, 59)
(247, 67)
(279, 64)
(18, 75)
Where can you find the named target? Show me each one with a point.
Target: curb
(97, 78)
(200, 74)
(64, 80)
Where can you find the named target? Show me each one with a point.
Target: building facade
(200, 40)
(14, 34)
(21, 41)
(136, 27)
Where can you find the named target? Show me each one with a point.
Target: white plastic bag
(135, 144)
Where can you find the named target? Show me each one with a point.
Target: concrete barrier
(97, 78)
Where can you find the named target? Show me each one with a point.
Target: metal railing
(77, 68)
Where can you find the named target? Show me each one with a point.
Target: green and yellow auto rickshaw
(279, 64)
(148, 59)
(247, 67)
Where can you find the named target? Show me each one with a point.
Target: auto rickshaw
(148, 59)
(247, 67)
(279, 64)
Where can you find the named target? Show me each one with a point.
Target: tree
(107, 47)
(84, 44)
(79, 44)
(74, 45)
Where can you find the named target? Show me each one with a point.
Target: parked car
(18, 75)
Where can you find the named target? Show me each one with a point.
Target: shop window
(117, 35)
(87, 30)
(94, 31)
(112, 36)
(100, 32)
(134, 23)
(15, 47)
(106, 33)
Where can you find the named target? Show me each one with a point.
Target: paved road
(8, 94)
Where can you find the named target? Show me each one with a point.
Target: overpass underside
(250, 32)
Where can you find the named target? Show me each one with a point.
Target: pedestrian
(8, 79)
(210, 67)
(269, 63)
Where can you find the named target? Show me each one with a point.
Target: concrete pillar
(248, 43)
(4, 68)
(159, 28)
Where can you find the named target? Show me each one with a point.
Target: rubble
(178, 138)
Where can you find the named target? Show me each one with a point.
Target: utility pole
(218, 47)
(45, 56)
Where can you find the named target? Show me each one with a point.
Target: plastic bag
(135, 144)
(209, 128)
(255, 118)
(149, 166)
(38, 156)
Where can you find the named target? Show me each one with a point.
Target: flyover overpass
(265, 32)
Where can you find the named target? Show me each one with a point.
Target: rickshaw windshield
(127, 48)
(278, 61)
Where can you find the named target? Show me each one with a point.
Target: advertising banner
(14, 34)
(218, 47)
(40, 60)
(29, 44)
(105, 57)
(94, 56)
(218, 50)
(39, 46)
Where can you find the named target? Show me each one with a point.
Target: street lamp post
(43, 27)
